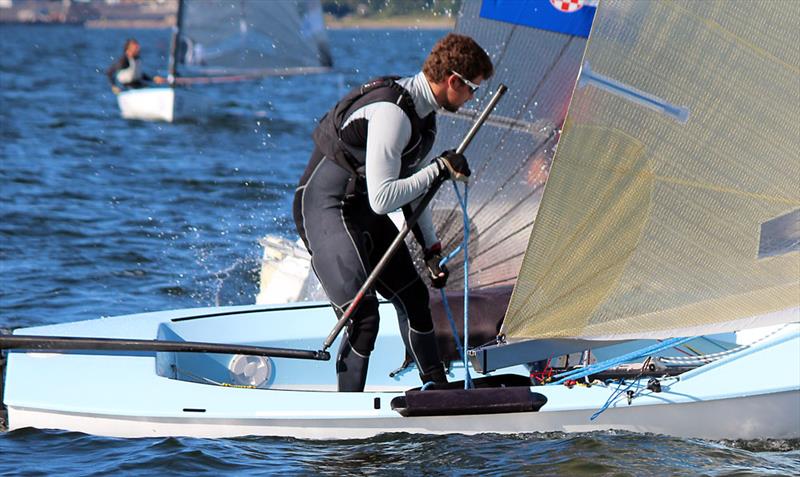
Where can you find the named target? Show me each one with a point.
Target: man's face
(133, 49)
(459, 91)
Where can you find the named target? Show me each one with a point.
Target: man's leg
(402, 285)
(338, 256)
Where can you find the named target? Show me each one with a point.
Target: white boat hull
(748, 395)
(162, 104)
(147, 104)
(774, 415)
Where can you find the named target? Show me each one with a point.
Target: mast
(173, 49)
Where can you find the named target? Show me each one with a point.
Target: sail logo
(567, 6)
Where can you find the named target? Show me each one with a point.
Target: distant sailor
(127, 71)
(368, 161)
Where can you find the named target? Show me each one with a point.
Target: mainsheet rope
(462, 349)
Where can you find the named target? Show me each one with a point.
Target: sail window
(780, 235)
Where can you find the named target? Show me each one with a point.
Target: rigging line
(204, 380)
(616, 394)
(467, 378)
(448, 312)
(461, 349)
(613, 397)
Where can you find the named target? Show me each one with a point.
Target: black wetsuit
(347, 238)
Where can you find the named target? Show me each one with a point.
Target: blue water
(101, 216)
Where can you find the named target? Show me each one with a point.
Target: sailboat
(223, 41)
(642, 278)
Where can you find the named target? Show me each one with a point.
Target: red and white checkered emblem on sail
(567, 6)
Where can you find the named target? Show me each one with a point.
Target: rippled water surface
(101, 216)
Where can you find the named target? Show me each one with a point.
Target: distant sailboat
(217, 41)
(671, 211)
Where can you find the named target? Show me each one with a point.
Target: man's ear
(451, 81)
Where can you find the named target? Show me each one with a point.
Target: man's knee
(416, 302)
(363, 327)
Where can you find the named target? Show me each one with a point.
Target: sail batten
(654, 228)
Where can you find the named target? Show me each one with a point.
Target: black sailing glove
(437, 273)
(455, 164)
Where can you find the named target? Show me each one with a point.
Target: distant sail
(230, 37)
(511, 155)
(673, 204)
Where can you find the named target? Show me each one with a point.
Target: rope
(446, 304)
(617, 392)
(467, 378)
(468, 384)
(603, 365)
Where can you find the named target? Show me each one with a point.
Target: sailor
(127, 71)
(369, 160)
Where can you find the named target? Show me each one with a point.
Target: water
(101, 216)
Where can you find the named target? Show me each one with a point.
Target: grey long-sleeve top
(388, 132)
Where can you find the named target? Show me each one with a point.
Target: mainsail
(673, 204)
(237, 37)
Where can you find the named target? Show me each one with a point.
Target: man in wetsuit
(368, 161)
(127, 71)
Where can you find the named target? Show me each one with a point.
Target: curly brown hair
(458, 53)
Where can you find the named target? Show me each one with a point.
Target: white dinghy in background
(148, 104)
(670, 222)
(222, 41)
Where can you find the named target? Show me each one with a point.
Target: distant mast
(173, 49)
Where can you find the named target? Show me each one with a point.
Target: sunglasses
(469, 84)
